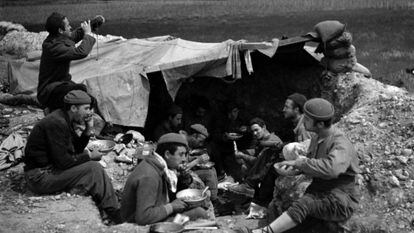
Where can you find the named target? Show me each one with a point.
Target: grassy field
(382, 29)
(24, 11)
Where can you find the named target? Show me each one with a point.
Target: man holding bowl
(150, 188)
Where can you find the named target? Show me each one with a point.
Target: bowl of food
(234, 136)
(166, 227)
(103, 146)
(192, 197)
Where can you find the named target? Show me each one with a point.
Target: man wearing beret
(199, 155)
(58, 50)
(149, 192)
(172, 124)
(332, 162)
(56, 158)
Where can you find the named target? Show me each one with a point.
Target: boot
(114, 215)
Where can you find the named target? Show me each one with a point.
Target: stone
(407, 152)
(400, 174)
(394, 181)
(402, 159)
(382, 125)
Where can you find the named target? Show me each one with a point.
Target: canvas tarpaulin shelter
(117, 77)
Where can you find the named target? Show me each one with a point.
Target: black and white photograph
(232, 116)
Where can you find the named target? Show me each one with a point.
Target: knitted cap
(199, 128)
(77, 97)
(173, 138)
(319, 109)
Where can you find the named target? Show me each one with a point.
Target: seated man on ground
(332, 162)
(258, 161)
(172, 124)
(199, 156)
(149, 192)
(227, 131)
(56, 158)
(293, 110)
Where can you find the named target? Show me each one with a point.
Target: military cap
(199, 128)
(319, 109)
(77, 97)
(173, 138)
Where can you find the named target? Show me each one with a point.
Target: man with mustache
(56, 158)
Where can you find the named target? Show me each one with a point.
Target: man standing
(332, 162)
(172, 124)
(147, 192)
(56, 159)
(58, 50)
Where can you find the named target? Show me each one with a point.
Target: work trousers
(209, 177)
(321, 212)
(259, 170)
(87, 178)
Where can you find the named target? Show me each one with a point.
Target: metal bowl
(103, 146)
(235, 136)
(166, 227)
(192, 196)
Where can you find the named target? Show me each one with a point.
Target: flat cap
(319, 109)
(77, 97)
(173, 138)
(199, 128)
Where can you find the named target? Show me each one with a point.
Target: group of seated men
(57, 159)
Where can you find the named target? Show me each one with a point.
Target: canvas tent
(116, 72)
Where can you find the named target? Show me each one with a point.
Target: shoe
(223, 209)
(256, 211)
(114, 215)
(242, 189)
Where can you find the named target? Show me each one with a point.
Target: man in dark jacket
(258, 160)
(58, 50)
(172, 124)
(332, 162)
(147, 192)
(56, 158)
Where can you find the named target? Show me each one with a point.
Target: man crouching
(332, 162)
(147, 192)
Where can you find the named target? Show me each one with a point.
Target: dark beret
(174, 110)
(77, 97)
(299, 99)
(319, 109)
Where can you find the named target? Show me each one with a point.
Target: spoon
(204, 191)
